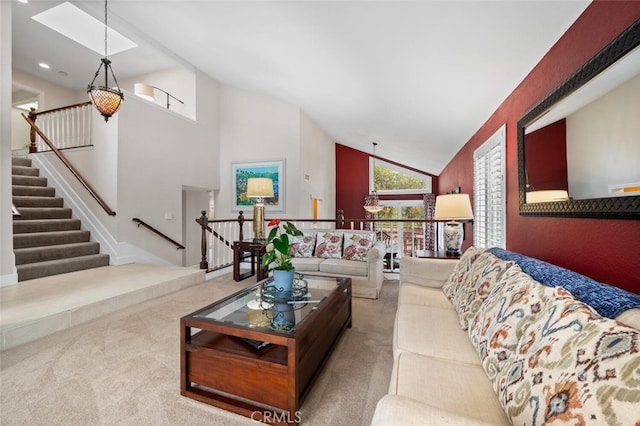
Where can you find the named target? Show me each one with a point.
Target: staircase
(46, 240)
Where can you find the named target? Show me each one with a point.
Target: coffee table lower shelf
(267, 385)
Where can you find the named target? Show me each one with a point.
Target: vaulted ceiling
(417, 77)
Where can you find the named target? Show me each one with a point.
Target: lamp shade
(453, 206)
(259, 188)
(144, 91)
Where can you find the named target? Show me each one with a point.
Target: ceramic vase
(283, 280)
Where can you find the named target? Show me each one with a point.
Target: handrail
(235, 233)
(62, 108)
(69, 166)
(152, 229)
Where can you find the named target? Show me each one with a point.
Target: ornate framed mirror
(551, 139)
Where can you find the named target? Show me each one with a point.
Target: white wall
(20, 130)
(258, 128)
(178, 81)
(318, 163)
(603, 142)
(8, 274)
(50, 95)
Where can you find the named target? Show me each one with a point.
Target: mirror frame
(608, 207)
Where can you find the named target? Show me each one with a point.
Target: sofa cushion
(344, 267)
(607, 300)
(504, 316)
(329, 244)
(306, 264)
(406, 411)
(305, 244)
(357, 245)
(573, 366)
(421, 295)
(485, 273)
(458, 276)
(450, 386)
(434, 332)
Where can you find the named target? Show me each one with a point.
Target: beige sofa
(366, 274)
(479, 341)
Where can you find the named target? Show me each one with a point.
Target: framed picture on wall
(240, 172)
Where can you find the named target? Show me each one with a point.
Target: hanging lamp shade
(371, 201)
(107, 100)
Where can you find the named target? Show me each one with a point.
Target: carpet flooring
(124, 368)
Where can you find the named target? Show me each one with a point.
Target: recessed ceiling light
(43, 65)
(23, 1)
(79, 26)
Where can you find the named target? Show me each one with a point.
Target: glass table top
(256, 306)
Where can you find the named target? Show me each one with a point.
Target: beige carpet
(124, 369)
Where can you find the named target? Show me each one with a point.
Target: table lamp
(453, 207)
(259, 188)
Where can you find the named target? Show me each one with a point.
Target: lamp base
(453, 236)
(258, 221)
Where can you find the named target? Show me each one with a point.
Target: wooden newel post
(340, 219)
(32, 116)
(241, 223)
(204, 223)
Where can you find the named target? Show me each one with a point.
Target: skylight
(79, 26)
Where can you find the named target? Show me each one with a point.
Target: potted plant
(279, 252)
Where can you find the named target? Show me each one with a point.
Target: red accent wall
(607, 250)
(352, 177)
(546, 157)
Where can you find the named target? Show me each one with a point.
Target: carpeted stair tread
(60, 266)
(46, 239)
(49, 238)
(45, 225)
(36, 191)
(33, 201)
(62, 251)
(28, 180)
(44, 213)
(26, 171)
(21, 161)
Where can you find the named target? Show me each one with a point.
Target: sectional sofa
(342, 253)
(499, 338)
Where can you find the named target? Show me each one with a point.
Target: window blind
(489, 192)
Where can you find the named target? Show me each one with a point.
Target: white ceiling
(417, 77)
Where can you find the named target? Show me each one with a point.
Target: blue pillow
(607, 300)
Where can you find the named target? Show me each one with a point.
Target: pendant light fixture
(106, 99)
(371, 202)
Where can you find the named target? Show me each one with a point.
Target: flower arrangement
(280, 248)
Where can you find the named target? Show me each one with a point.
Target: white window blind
(489, 192)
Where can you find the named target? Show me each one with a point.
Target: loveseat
(342, 253)
(499, 338)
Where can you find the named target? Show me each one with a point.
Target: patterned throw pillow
(455, 281)
(485, 273)
(512, 305)
(356, 246)
(573, 366)
(329, 245)
(304, 245)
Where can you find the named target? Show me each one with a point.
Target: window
(489, 192)
(391, 179)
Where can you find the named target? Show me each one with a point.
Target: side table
(431, 254)
(256, 250)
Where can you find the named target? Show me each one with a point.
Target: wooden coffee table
(222, 366)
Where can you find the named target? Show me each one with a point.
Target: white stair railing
(67, 127)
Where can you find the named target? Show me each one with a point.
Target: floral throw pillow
(485, 273)
(303, 245)
(456, 280)
(356, 246)
(329, 245)
(573, 366)
(504, 316)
